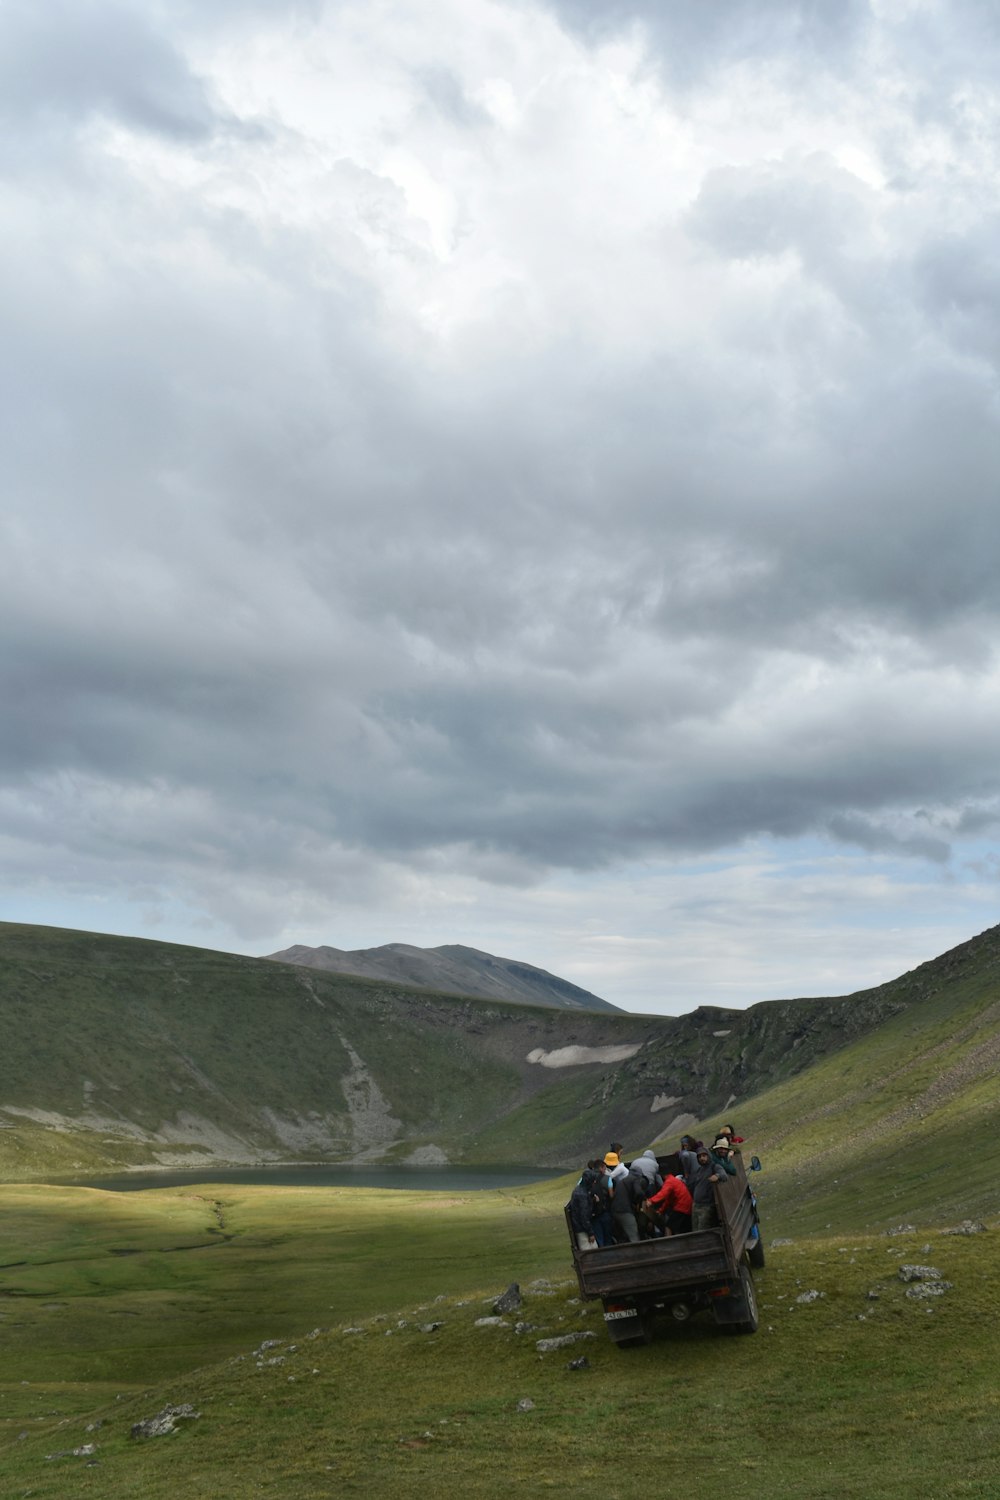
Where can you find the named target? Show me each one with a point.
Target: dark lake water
(414, 1179)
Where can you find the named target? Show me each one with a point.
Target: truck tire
(629, 1333)
(755, 1252)
(737, 1313)
(748, 1323)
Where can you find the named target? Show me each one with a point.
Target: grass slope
(891, 1127)
(122, 1049)
(847, 1396)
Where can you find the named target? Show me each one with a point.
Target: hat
(722, 1144)
(611, 1160)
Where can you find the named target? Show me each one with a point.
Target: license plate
(626, 1312)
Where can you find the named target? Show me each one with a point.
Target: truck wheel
(755, 1253)
(747, 1323)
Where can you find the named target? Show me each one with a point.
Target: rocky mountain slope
(125, 1052)
(451, 970)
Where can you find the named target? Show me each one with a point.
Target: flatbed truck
(708, 1269)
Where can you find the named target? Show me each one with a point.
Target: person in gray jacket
(647, 1166)
(702, 1184)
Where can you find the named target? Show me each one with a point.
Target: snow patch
(574, 1057)
(663, 1101)
(723, 1033)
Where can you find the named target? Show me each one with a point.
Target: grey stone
(525, 1327)
(929, 1289)
(508, 1301)
(812, 1296)
(430, 1327)
(491, 1323)
(901, 1229)
(919, 1273)
(564, 1340)
(583, 1363)
(526, 1404)
(967, 1226)
(165, 1421)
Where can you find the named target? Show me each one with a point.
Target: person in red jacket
(671, 1206)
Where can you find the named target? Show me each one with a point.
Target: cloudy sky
(521, 474)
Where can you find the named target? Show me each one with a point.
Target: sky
(518, 474)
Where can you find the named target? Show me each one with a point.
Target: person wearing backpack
(622, 1208)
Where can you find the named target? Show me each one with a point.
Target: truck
(677, 1276)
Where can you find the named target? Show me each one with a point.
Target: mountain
(451, 970)
(120, 1052)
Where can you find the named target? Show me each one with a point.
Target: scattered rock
(919, 1273)
(267, 1344)
(491, 1323)
(525, 1327)
(873, 1295)
(166, 1420)
(929, 1289)
(84, 1452)
(967, 1226)
(545, 1346)
(812, 1296)
(583, 1363)
(526, 1404)
(901, 1229)
(508, 1301)
(777, 1244)
(430, 1327)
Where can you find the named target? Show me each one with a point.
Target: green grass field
(113, 1305)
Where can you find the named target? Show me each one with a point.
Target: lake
(413, 1179)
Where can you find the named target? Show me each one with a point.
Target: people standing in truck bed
(581, 1211)
(702, 1184)
(671, 1205)
(626, 1227)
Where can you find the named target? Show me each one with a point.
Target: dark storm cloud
(71, 58)
(287, 569)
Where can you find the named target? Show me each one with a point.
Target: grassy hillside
(123, 1052)
(849, 1394)
(899, 1124)
(112, 1306)
(118, 1051)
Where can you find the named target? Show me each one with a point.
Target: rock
(812, 1296)
(777, 1244)
(967, 1226)
(929, 1289)
(526, 1404)
(430, 1327)
(919, 1273)
(545, 1346)
(165, 1421)
(352, 1330)
(508, 1301)
(901, 1229)
(583, 1363)
(491, 1323)
(525, 1327)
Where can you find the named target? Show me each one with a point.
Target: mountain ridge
(450, 969)
(128, 1052)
